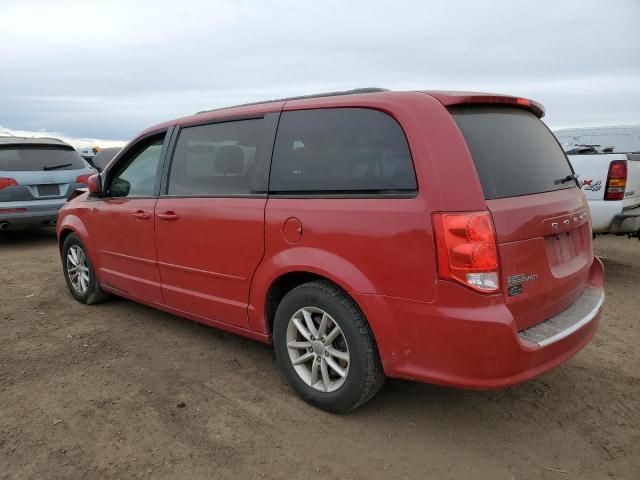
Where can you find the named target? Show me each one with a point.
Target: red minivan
(431, 236)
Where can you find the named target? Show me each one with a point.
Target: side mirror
(93, 184)
(119, 188)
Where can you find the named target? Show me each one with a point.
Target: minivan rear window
(340, 150)
(31, 158)
(513, 151)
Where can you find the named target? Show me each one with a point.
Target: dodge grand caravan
(431, 236)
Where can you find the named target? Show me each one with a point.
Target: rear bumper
(478, 346)
(627, 222)
(582, 312)
(31, 218)
(610, 217)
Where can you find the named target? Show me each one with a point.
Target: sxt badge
(515, 283)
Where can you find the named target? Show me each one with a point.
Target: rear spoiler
(466, 98)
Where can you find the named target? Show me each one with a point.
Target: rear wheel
(79, 272)
(325, 348)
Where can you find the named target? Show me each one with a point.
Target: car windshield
(34, 158)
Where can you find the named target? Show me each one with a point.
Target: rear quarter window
(340, 150)
(22, 159)
(513, 151)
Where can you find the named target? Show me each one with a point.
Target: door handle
(141, 215)
(168, 216)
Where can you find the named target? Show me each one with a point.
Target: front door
(124, 218)
(210, 222)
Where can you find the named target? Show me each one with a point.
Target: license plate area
(562, 247)
(569, 252)
(48, 190)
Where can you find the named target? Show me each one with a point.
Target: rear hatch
(540, 215)
(39, 172)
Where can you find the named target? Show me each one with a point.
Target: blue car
(36, 177)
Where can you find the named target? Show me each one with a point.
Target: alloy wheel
(318, 349)
(78, 269)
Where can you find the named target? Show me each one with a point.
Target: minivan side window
(220, 159)
(137, 176)
(340, 150)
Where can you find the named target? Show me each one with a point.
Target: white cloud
(110, 68)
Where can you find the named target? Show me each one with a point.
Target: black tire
(93, 293)
(365, 374)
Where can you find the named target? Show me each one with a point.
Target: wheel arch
(283, 285)
(72, 224)
(287, 281)
(292, 279)
(62, 236)
(292, 267)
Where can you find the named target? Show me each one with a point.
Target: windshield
(514, 152)
(33, 158)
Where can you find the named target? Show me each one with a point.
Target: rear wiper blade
(55, 167)
(566, 179)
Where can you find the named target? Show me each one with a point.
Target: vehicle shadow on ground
(406, 399)
(43, 236)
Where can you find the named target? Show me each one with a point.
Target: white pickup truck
(611, 183)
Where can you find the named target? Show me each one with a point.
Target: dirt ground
(119, 390)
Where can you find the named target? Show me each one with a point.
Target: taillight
(467, 250)
(616, 180)
(83, 178)
(7, 182)
(12, 210)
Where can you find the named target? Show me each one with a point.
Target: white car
(611, 183)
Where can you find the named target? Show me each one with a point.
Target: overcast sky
(108, 69)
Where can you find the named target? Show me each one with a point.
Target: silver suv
(36, 176)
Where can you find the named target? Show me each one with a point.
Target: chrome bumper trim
(583, 310)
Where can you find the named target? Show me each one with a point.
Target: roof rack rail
(355, 91)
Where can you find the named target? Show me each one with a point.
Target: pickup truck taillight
(616, 180)
(7, 182)
(467, 250)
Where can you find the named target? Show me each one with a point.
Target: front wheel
(325, 348)
(79, 272)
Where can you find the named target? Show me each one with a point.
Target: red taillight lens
(12, 210)
(83, 178)
(616, 180)
(467, 250)
(7, 182)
